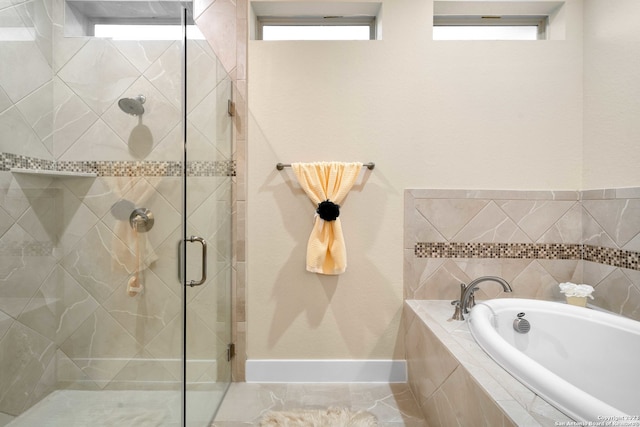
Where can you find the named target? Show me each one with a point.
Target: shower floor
(129, 408)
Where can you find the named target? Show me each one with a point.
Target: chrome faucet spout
(473, 285)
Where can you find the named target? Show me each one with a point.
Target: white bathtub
(584, 362)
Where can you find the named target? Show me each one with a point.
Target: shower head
(132, 106)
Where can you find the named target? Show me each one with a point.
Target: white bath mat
(332, 417)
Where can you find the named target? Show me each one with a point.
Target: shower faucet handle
(141, 220)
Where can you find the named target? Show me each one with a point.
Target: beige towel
(326, 251)
(137, 254)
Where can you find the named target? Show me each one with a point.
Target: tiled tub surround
(533, 239)
(456, 383)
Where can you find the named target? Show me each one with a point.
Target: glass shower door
(96, 327)
(207, 231)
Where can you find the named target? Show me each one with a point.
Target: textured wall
(611, 129)
(494, 115)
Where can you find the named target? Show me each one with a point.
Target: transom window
(316, 28)
(489, 27)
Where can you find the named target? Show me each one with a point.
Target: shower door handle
(203, 277)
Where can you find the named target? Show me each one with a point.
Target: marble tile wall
(29, 215)
(64, 303)
(611, 237)
(225, 25)
(28, 290)
(26, 71)
(533, 239)
(444, 390)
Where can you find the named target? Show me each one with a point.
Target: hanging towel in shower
(137, 254)
(326, 184)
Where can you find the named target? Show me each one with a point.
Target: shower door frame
(187, 240)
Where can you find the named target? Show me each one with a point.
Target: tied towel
(326, 181)
(131, 250)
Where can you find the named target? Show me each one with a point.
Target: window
(316, 28)
(489, 27)
(125, 19)
(498, 20)
(315, 20)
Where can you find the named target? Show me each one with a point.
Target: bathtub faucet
(467, 301)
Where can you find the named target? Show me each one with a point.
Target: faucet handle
(457, 314)
(471, 301)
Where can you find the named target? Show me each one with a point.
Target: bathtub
(582, 361)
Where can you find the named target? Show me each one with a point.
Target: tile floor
(122, 408)
(246, 403)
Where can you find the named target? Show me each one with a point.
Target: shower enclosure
(115, 225)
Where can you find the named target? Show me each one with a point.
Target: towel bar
(281, 166)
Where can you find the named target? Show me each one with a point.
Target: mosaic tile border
(8, 161)
(571, 251)
(610, 256)
(121, 168)
(498, 250)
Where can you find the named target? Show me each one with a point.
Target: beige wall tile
(218, 23)
(617, 293)
(429, 363)
(491, 224)
(518, 217)
(449, 216)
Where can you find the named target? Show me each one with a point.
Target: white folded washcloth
(574, 290)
